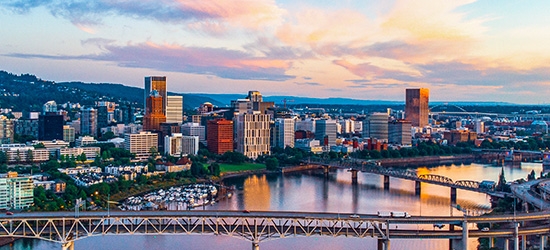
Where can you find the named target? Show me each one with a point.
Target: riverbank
(427, 160)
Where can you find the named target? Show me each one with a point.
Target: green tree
(30, 156)
(82, 157)
(271, 163)
(214, 169)
(3, 157)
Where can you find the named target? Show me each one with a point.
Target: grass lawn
(224, 167)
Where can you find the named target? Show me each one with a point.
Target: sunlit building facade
(416, 106)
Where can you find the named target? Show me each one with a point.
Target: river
(310, 191)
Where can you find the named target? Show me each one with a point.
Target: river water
(311, 191)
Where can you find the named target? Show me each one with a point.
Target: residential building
(284, 133)
(17, 153)
(416, 106)
(16, 192)
(399, 132)
(220, 136)
(88, 121)
(189, 145)
(174, 109)
(84, 140)
(252, 134)
(68, 133)
(6, 130)
(49, 107)
(90, 152)
(172, 144)
(141, 144)
(325, 132)
(26, 127)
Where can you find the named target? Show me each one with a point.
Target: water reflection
(311, 191)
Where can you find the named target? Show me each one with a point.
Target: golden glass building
(416, 106)
(157, 83)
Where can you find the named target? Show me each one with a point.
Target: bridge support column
(383, 244)
(542, 241)
(506, 244)
(417, 187)
(491, 242)
(68, 245)
(464, 235)
(326, 170)
(453, 195)
(516, 236)
(255, 246)
(386, 182)
(353, 176)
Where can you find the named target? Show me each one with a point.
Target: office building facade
(220, 136)
(283, 135)
(417, 106)
(88, 121)
(252, 134)
(154, 113)
(174, 109)
(141, 144)
(157, 83)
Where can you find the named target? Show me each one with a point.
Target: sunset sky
(373, 50)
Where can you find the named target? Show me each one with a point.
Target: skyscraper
(416, 106)
(88, 122)
(154, 114)
(399, 132)
(325, 132)
(376, 126)
(157, 83)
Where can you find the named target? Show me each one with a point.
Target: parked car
(246, 211)
(9, 213)
(355, 216)
(485, 229)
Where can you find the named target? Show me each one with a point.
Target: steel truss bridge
(65, 228)
(370, 167)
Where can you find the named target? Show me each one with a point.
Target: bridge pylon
(386, 182)
(353, 175)
(255, 246)
(67, 245)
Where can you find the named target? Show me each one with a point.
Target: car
(485, 229)
(440, 226)
(246, 211)
(355, 216)
(9, 213)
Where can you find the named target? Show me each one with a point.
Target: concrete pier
(386, 182)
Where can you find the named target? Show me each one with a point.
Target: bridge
(257, 226)
(355, 166)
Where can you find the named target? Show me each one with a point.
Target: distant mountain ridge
(27, 92)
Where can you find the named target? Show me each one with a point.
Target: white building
(90, 152)
(283, 135)
(85, 140)
(172, 144)
(16, 192)
(194, 129)
(252, 134)
(23, 153)
(141, 144)
(305, 125)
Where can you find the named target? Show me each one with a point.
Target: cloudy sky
(461, 50)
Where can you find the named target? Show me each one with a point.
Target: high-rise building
(416, 106)
(325, 132)
(174, 109)
(189, 145)
(154, 114)
(6, 130)
(50, 127)
(399, 132)
(16, 192)
(27, 127)
(220, 136)
(88, 121)
(376, 126)
(194, 129)
(157, 83)
(102, 117)
(252, 134)
(284, 133)
(68, 133)
(141, 144)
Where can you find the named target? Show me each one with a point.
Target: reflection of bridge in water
(355, 166)
(65, 228)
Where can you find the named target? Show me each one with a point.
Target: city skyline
(460, 50)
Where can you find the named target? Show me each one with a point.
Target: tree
(3, 157)
(30, 156)
(271, 163)
(214, 169)
(82, 157)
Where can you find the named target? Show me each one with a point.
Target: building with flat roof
(174, 109)
(155, 83)
(16, 192)
(220, 136)
(283, 135)
(417, 106)
(252, 134)
(88, 121)
(141, 144)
